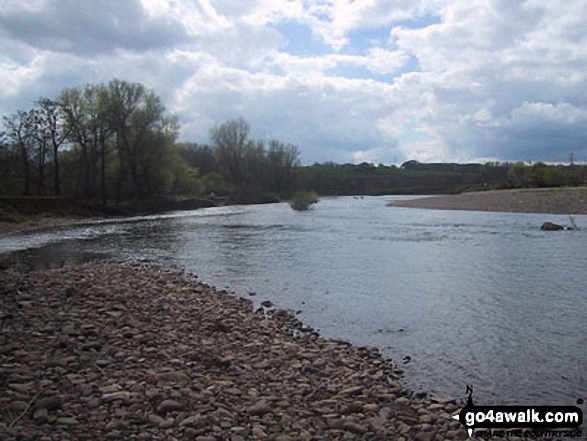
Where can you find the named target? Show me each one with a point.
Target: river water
(485, 299)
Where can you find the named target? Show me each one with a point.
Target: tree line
(413, 177)
(115, 142)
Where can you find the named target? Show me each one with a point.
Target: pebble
(68, 421)
(169, 406)
(259, 408)
(49, 403)
(116, 396)
(139, 353)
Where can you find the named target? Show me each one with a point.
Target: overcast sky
(346, 81)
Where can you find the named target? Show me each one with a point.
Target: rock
(49, 403)
(267, 304)
(197, 422)
(356, 407)
(351, 390)
(116, 396)
(41, 415)
(155, 419)
(549, 226)
(169, 406)
(423, 436)
(17, 406)
(67, 421)
(259, 408)
(258, 432)
(377, 423)
(173, 377)
(354, 428)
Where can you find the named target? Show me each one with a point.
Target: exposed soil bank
(112, 351)
(18, 215)
(551, 200)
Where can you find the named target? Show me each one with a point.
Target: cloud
(344, 80)
(85, 27)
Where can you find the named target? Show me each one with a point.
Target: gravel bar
(118, 351)
(552, 201)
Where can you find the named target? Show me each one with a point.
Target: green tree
(90, 129)
(136, 114)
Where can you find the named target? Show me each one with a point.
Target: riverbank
(21, 215)
(551, 201)
(113, 351)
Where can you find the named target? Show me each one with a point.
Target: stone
(155, 419)
(67, 421)
(116, 396)
(258, 432)
(354, 428)
(259, 408)
(196, 421)
(41, 415)
(423, 436)
(169, 406)
(49, 403)
(549, 226)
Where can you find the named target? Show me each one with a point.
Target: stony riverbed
(111, 351)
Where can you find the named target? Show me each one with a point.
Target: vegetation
(302, 200)
(417, 178)
(114, 144)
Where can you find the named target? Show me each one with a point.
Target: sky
(381, 81)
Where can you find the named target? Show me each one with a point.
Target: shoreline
(567, 201)
(116, 350)
(42, 223)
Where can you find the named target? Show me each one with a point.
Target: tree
(52, 127)
(282, 160)
(230, 148)
(20, 133)
(136, 113)
(241, 161)
(89, 128)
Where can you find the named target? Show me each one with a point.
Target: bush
(302, 200)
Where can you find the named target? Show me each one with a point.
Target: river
(478, 298)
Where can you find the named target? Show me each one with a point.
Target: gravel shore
(114, 351)
(552, 201)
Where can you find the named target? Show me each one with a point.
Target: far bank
(571, 200)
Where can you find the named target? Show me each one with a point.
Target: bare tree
(51, 127)
(20, 135)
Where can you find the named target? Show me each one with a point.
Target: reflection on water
(474, 298)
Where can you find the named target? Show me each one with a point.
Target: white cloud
(480, 79)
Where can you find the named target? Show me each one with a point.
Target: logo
(529, 421)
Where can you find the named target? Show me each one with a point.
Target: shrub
(302, 200)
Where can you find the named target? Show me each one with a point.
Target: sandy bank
(119, 352)
(553, 201)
